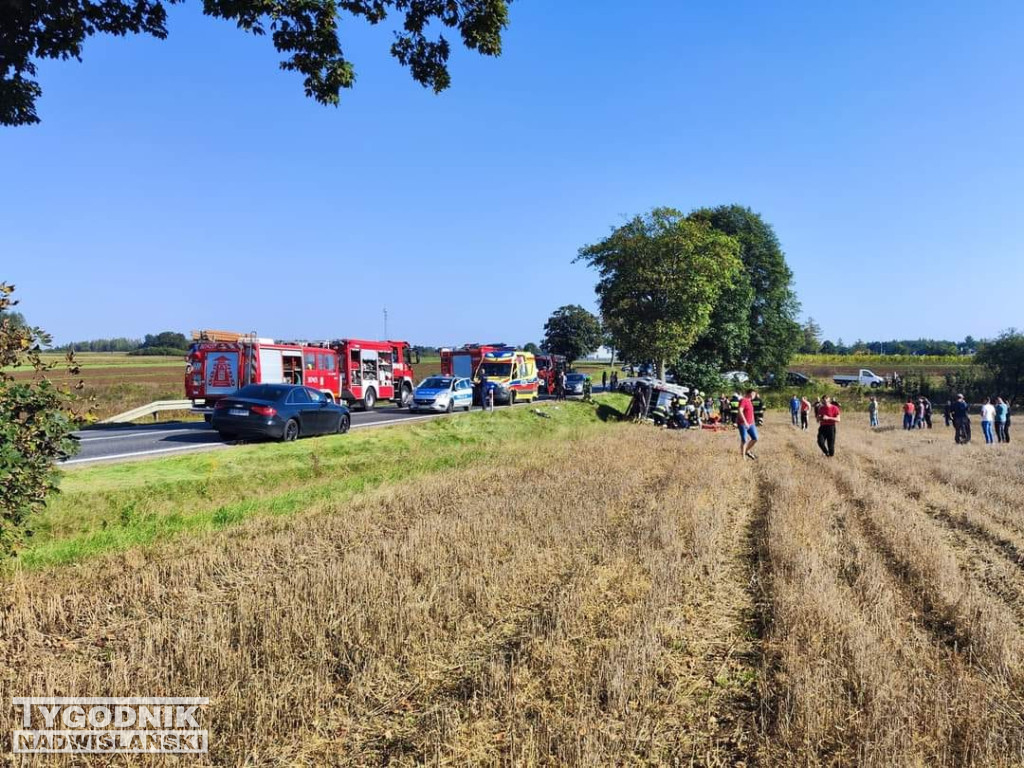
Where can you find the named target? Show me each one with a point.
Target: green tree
(35, 424)
(827, 348)
(167, 339)
(14, 319)
(810, 339)
(304, 31)
(774, 333)
(725, 344)
(860, 348)
(660, 277)
(573, 332)
(1004, 358)
(532, 348)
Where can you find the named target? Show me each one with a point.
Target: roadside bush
(35, 425)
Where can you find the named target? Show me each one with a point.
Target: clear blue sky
(188, 183)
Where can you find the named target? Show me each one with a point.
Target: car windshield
(263, 391)
(574, 377)
(542, 364)
(497, 370)
(436, 382)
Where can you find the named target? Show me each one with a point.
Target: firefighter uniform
(734, 408)
(659, 414)
(758, 404)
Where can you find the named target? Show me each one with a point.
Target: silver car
(574, 383)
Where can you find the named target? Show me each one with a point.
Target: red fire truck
(547, 366)
(375, 370)
(353, 370)
(464, 361)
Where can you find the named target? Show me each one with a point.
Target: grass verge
(109, 508)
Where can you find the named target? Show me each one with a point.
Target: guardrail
(153, 408)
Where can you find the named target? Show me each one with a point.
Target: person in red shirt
(747, 427)
(828, 417)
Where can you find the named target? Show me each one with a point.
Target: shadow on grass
(606, 413)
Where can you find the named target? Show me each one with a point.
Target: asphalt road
(122, 442)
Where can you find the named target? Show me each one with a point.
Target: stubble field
(617, 596)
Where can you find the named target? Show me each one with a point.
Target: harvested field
(617, 595)
(111, 387)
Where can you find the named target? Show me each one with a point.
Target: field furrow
(858, 669)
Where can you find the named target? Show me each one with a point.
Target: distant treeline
(936, 347)
(811, 343)
(163, 343)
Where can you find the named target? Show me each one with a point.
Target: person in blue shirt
(1002, 410)
(794, 410)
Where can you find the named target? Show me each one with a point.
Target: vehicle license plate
(239, 411)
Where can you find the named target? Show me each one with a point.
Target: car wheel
(451, 406)
(413, 409)
(512, 398)
(291, 431)
(344, 423)
(405, 398)
(466, 408)
(369, 399)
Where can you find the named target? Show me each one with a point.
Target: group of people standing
(917, 414)
(607, 380)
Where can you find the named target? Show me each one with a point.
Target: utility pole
(385, 322)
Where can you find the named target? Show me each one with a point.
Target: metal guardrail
(152, 408)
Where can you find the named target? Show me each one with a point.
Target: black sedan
(281, 411)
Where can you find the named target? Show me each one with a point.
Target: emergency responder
(678, 414)
(659, 414)
(734, 407)
(587, 390)
(758, 404)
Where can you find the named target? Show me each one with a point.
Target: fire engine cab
(221, 362)
(374, 370)
(547, 367)
(463, 362)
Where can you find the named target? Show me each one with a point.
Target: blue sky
(188, 183)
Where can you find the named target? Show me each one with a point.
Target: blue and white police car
(442, 393)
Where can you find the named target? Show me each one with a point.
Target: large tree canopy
(661, 276)
(762, 302)
(305, 31)
(1004, 358)
(573, 332)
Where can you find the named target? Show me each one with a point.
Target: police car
(443, 394)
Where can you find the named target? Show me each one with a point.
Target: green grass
(95, 360)
(107, 508)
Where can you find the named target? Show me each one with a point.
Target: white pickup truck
(865, 378)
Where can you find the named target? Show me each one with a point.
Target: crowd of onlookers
(917, 414)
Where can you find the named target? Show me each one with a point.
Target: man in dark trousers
(961, 421)
(604, 380)
(828, 418)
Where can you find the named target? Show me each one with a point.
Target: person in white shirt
(988, 416)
